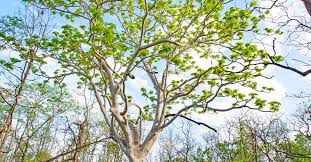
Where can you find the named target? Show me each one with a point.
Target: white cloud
(137, 83)
(9, 53)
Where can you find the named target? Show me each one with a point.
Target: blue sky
(9, 6)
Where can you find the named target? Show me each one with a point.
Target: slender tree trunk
(5, 157)
(6, 128)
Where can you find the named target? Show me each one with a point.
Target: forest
(155, 80)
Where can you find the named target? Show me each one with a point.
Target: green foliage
(42, 155)
(80, 48)
(254, 139)
(299, 149)
(169, 43)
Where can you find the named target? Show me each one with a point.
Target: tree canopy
(191, 53)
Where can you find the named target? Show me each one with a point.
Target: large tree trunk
(135, 153)
(136, 159)
(136, 156)
(138, 152)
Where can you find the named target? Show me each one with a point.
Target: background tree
(187, 142)
(302, 120)
(293, 41)
(20, 38)
(40, 105)
(168, 143)
(250, 138)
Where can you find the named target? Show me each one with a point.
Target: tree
(20, 37)
(192, 54)
(210, 149)
(177, 145)
(39, 107)
(187, 142)
(168, 143)
(250, 138)
(293, 32)
(302, 120)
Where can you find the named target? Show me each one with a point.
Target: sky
(285, 82)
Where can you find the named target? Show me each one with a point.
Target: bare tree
(302, 120)
(168, 143)
(187, 142)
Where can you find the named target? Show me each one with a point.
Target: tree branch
(78, 148)
(199, 123)
(302, 73)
